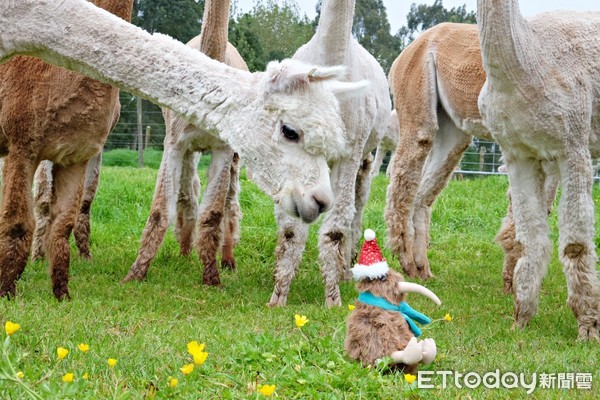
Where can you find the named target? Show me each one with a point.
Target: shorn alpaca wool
(383, 324)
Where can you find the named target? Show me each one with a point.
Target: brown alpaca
(48, 113)
(435, 82)
(374, 331)
(214, 224)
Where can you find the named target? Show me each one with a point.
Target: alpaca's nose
(322, 202)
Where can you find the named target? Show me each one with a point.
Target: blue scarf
(403, 308)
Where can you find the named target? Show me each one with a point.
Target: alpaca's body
(177, 186)
(48, 113)
(389, 142)
(293, 108)
(541, 102)
(365, 120)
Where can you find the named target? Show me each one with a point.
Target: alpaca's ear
(289, 75)
(349, 90)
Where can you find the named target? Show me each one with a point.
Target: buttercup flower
(194, 347)
(83, 347)
(68, 377)
(11, 327)
(173, 382)
(187, 369)
(199, 357)
(20, 375)
(447, 317)
(351, 307)
(86, 376)
(266, 390)
(301, 320)
(409, 378)
(61, 352)
(112, 362)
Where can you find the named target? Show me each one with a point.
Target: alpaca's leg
(162, 212)
(67, 189)
(187, 203)
(378, 159)
(336, 233)
(82, 229)
(16, 221)
(415, 145)
(530, 216)
(362, 191)
(42, 199)
(233, 215)
(576, 243)
(291, 242)
(448, 147)
(212, 208)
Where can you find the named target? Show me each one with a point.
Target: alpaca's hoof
(228, 264)
(410, 269)
(61, 293)
(333, 301)
(185, 250)
(133, 275)
(424, 273)
(587, 332)
(277, 300)
(86, 255)
(9, 293)
(211, 279)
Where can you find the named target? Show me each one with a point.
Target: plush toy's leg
(428, 350)
(411, 354)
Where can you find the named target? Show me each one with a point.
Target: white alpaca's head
(297, 131)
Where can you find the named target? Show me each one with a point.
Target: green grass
(146, 326)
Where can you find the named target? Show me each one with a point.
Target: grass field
(146, 326)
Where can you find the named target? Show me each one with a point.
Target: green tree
(179, 19)
(273, 30)
(422, 17)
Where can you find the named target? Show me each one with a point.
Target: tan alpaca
(540, 102)
(435, 82)
(293, 107)
(48, 113)
(215, 224)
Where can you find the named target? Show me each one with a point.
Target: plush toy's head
(374, 275)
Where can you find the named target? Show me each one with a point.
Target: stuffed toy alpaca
(382, 323)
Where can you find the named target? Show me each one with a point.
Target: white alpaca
(219, 212)
(389, 142)
(365, 120)
(540, 102)
(292, 108)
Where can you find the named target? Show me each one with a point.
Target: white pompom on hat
(371, 264)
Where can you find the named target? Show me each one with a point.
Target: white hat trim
(372, 271)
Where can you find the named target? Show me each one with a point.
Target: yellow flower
(173, 382)
(62, 352)
(301, 320)
(351, 307)
(409, 378)
(68, 377)
(112, 362)
(83, 347)
(11, 327)
(187, 369)
(20, 375)
(199, 357)
(266, 390)
(194, 347)
(86, 376)
(447, 317)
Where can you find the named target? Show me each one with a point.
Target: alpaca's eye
(289, 133)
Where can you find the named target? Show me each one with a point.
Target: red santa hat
(370, 264)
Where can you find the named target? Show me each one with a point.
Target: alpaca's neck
(215, 23)
(120, 8)
(162, 70)
(334, 31)
(507, 43)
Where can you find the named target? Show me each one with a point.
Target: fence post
(148, 133)
(481, 157)
(140, 133)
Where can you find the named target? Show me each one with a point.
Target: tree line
(272, 30)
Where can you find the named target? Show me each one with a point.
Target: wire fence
(481, 158)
